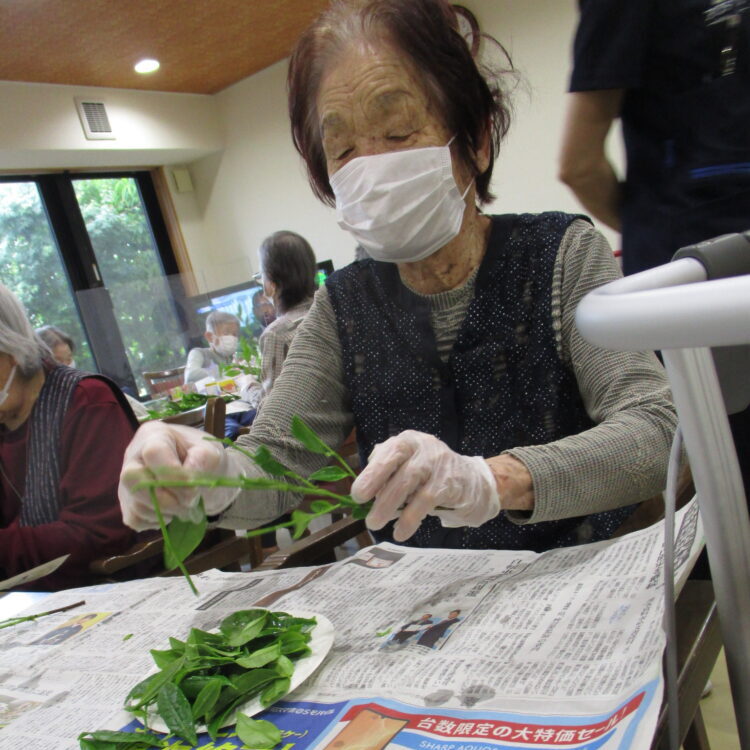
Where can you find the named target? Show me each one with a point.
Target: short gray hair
(218, 318)
(17, 337)
(54, 336)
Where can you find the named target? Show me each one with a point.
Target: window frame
(79, 262)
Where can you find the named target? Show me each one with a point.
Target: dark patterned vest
(503, 386)
(41, 500)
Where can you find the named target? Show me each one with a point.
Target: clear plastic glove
(415, 474)
(164, 451)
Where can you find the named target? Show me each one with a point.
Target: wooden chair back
(220, 549)
(214, 419)
(319, 547)
(214, 416)
(160, 381)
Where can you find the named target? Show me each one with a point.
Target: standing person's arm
(610, 57)
(584, 166)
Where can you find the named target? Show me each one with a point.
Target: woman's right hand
(165, 451)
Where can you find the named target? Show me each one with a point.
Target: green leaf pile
(186, 402)
(205, 679)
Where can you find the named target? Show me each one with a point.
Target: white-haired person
(63, 434)
(223, 335)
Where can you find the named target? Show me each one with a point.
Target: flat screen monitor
(237, 300)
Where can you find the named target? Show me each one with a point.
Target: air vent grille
(94, 119)
(96, 116)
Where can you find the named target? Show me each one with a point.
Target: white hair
(218, 318)
(17, 337)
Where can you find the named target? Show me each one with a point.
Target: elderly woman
(487, 421)
(59, 343)
(63, 434)
(288, 270)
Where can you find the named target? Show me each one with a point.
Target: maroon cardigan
(95, 432)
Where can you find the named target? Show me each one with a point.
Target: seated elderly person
(263, 313)
(223, 335)
(63, 434)
(486, 421)
(288, 270)
(59, 343)
(62, 347)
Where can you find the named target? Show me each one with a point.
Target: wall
(41, 130)
(257, 184)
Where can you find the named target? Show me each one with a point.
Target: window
(90, 254)
(34, 269)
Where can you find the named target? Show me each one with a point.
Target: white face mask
(72, 364)
(401, 206)
(6, 388)
(226, 346)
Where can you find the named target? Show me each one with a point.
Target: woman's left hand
(414, 474)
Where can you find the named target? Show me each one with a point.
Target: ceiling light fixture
(146, 66)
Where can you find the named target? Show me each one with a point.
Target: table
(579, 627)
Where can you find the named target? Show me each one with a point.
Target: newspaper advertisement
(433, 650)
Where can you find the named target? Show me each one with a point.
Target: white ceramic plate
(320, 644)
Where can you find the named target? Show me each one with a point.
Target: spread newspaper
(433, 650)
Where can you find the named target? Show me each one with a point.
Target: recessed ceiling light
(146, 66)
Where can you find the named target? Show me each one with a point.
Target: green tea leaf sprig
(174, 556)
(13, 621)
(300, 520)
(248, 357)
(182, 537)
